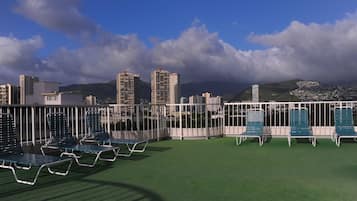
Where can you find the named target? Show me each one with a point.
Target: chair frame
(130, 144)
(243, 137)
(337, 138)
(311, 137)
(72, 151)
(14, 165)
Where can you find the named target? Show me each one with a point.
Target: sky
(73, 41)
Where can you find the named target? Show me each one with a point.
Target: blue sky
(233, 22)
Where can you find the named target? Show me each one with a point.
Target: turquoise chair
(344, 127)
(254, 128)
(299, 126)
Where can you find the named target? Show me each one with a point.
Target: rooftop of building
(212, 169)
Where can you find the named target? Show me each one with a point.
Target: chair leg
(338, 141)
(116, 154)
(289, 141)
(60, 173)
(76, 158)
(261, 141)
(313, 141)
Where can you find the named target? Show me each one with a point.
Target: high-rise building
(165, 87)
(128, 88)
(90, 100)
(26, 87)
(255, 93)
(174, 88)
(9, 94)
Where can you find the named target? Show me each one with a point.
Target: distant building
(200, 101)
(90, 100)
(183, 100)
(213, 103)
(40, 88)
(128, 88)
(165, 87)
(26, 87)
(63, 98)
(255, 93)
(9, 94)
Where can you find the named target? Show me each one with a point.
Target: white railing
(194, 120)
(176, 121)
(276, 116)
(138, 121)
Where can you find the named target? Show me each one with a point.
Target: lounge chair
(97, 133)
(254, 129)
(13, 158)
(299, 124)
(62, 140)
(344, 127)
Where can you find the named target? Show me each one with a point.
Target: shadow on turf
(45, 179)
(95, 189)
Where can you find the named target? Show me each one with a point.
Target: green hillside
(270, 92)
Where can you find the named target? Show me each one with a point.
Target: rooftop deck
(212, 169)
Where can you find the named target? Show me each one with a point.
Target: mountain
(224, 89)
(279, 91)
(106, 92)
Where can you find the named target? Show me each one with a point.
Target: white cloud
(63, 16)
(326, 52)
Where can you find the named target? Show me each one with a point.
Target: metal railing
(176, 121)
(276, 116)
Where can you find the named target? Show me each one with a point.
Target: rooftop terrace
(212, 169)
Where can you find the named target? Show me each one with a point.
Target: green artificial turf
(203, 170)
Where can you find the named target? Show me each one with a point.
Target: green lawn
(203, 170)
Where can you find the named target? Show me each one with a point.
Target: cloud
(18, 55)
(325, 52)
(102, 60)
(63, 16)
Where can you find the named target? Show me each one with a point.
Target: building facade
(128, 88)
(213, 103)
(255, 93)
(165, 87)
(26, 87)
(9, 94)
(63, 98)
(90, 100)
(40, 88)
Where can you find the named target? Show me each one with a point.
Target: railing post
(137, 107)
(33, 125)
(157, 123)
(77, 122)
(108, 119)
(206, 122)
(180, 113)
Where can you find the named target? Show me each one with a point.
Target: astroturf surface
(202, 170)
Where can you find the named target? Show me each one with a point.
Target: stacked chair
(62, 140)
(97, 134)
(12, 156)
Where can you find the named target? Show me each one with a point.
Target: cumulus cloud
(18, 55)
(325, 52)
(63, 16)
